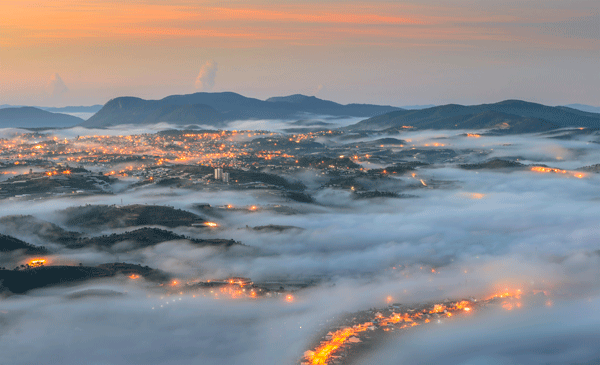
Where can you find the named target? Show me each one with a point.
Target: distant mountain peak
(584, 108)
(517, 102)
(296, 98)
(418, 107)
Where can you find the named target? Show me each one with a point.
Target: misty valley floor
(125, 246)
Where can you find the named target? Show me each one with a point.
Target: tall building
(218, 173)
(226, 177)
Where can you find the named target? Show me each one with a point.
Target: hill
(20, 281)
(113, 216)
(217, 109)
(30, 225)
(495, 163)
(9, 244)
(141, 238)
(29, 117)
(510, 116)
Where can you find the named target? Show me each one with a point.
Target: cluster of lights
(543, 169)
(233, 288)
(335, 341)
(37, 262)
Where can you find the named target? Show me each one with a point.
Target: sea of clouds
(485, 231)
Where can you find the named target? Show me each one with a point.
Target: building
(218, 173)
(226, 177)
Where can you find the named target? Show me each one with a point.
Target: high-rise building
(218, 173)
(226, 177)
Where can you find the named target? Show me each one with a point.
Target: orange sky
(388, 52)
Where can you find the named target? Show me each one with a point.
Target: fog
(308, 121)
(278, 126)
(484, 230)
(564, 332)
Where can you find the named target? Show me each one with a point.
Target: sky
(385, 52)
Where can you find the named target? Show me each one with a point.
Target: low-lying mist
(487, 230)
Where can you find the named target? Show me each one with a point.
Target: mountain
(29, 117)
(584, 108)
(219, 108)
(64, 109)
(73, 109)
(83, 112)
(417, 107)
(510, 116)
(129, 110)
(310, 104)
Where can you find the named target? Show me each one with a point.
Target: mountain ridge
(510, 116)
(584, 108)
(30, 117)
(220, 108)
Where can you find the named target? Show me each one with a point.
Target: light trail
(544, 169)
(344, 338)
